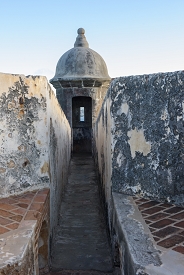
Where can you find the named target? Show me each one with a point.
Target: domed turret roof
(80, 66)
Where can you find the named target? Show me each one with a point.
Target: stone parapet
(138, 138)
(135, 236)
(35, 139)
(24, 232)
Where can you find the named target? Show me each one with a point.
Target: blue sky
(133, 36)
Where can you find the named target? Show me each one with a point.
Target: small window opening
(82, 114)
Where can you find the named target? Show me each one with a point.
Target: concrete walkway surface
(81, 241)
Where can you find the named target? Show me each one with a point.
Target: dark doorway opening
(82, 124)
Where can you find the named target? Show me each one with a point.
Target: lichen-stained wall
(65, 96)
(23, 133)
(59, 154)
(102, 152)
(35, 138)
(146, 135)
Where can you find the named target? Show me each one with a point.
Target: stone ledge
(16, 254)
(138, 251)
(21, 219)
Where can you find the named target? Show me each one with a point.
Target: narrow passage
(81, 239)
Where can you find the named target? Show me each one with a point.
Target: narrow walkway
(81, 238)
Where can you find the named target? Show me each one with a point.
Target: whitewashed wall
(35, 138)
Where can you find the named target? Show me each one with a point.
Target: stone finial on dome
(81, 39)
(80, 67)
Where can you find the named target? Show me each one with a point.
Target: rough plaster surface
(138, 143)
(81, 62)
(16, 251)
(102, 141)
(138, 149)
(135, 245)
(65, 96)
(139, 253)
(149, 135)
(59, 155)
(172, 264)
(23, 133)
(35, 138)
(80, 66)
(146, 120)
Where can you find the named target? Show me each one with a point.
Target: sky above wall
(133, 36)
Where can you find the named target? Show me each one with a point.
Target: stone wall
(24, 246)
(23, 133)
(102, 140)
(72, 98)
(59, 145)
(35, 138)
(65, 96)
(139, 137)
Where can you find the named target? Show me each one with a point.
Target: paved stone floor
(81, 242)
(165, 221)
(15, 210)
(83, 272)
(81, 245)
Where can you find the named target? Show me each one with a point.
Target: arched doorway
(82, 124)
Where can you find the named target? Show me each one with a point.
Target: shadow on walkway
(81, 241)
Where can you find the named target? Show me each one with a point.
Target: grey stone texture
(17, 253)
(136, 248)
(147, 134)
(156, 107)
(81, 241)
(137, 135)
(66, 95)
(138, 150)
(35, 139)
(23, 111)
(80, 66)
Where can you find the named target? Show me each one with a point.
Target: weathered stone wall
(24, 247)
(17, 251)
(65, 96)
(59, 145)
(102, 140)
(35, 138)
(23, 133)
(139, 136)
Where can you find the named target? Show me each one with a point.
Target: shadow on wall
(82, 124)
(35, 149)
(43, 248)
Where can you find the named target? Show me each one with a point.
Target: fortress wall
(35, 138)
(145, 126)
(102, 140)
(23, 133)
(59, 147)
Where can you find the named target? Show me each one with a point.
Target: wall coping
(21, 218)
(136, 242)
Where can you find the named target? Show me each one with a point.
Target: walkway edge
(136, 249)
(139, 254)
